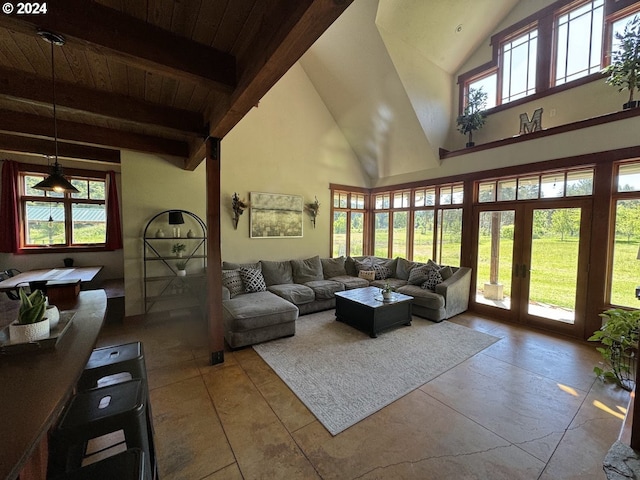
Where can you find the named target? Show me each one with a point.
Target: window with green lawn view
(54, 219)
(625, 271)
(348, 223)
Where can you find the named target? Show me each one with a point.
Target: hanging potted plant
(31, 324)
(624, 69)
(474, 115)
(619, 346)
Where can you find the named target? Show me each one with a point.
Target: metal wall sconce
(313, 209)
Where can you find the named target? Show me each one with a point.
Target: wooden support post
(214, 255)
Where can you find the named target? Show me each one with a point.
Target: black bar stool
(127, 465)
(115, 360)
(98, 412)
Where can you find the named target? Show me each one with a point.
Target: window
(575, 56)
(348, 223)
(53, 219)
(548, 50)
(518, 66)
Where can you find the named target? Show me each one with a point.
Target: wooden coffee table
(364, 309)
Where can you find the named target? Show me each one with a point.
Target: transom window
(518, 66)
(63, 219)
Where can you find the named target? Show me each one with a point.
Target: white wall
(289, 144)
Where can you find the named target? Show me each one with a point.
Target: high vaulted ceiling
(156, 76)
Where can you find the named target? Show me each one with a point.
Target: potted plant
(619, 345)
(474, 115)
(238, 206)
(182, 268)
(387, 291)
(624, 69)
(178, 249)
(31, 324)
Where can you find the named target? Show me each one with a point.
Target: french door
(531, 262)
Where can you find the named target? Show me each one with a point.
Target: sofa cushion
(381, 271)
(365, 264)
(276, 273)
(434, 278)
(257, 310)
(419, 275)
(236, 266)
(307, 270)
(252, 279)
(294, 293)
(446, 272)
(404, 267)
(350, 282)
(325, 289)
(422, 297)
(333, 267)
(233, 281)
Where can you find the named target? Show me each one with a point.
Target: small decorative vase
(182, 273)
(30, 332)
(159, 233)
(190, 234)
(53, 314)
(179, 254)
(387, 295)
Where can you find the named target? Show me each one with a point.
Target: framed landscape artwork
(274, 215)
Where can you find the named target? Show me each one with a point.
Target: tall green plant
(473, 116)
(32, 307)
(619, 340)
(624, 70)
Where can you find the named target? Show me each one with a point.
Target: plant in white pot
(624, 69)
(182, 268)
(387, 291)
(474, 115)
(31, 324)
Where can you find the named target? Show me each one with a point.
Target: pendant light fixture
(55, 182)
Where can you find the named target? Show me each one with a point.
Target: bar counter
(35, 386)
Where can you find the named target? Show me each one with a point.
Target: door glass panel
(495, 257)
(626, 266)
(423, 235)
(553, 273)
(449, 236)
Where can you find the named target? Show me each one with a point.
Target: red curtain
(114, 229)
(10, 233)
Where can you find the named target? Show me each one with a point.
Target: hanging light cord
(53, 83)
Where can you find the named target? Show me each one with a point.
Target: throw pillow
(382, 272)
(432, 264)
(367, 274)
(446, 272)
(434, 278)
(233, 281)
(308, 270)
(419, 275)
(364, 264)
(276, 273)
(333, 267)
(252, 279)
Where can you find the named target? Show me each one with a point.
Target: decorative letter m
(534, 125)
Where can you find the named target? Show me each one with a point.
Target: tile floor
(528, 407)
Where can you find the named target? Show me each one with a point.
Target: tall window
(63, 219)
(579, 42)
(519, 66)
(349, 223)
(625, 269)
(489, 85)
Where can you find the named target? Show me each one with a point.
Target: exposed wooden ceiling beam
(34, 125)
(38, 146)
(30, 89)
(132, 41)
(287, 32)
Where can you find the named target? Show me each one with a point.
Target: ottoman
(257, 317)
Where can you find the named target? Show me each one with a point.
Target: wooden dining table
(51, 276)
(36, 384)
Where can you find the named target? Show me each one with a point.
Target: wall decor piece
(535, 125)
(238, 206)
(275, 215)
(313, 209)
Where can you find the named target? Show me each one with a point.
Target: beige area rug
(343, 376)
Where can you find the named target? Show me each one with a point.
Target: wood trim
(569, 127)
(14, 144)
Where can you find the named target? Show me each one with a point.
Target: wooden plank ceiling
(155, 76)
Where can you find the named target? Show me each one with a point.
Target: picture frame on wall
(275, 215)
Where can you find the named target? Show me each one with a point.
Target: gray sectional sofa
(262, 301)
